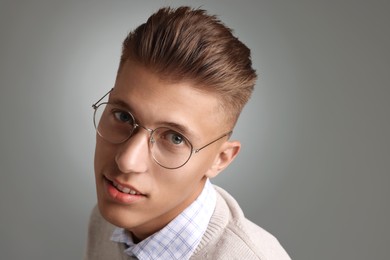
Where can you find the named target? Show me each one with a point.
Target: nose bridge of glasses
(150, 131)
(138, 140)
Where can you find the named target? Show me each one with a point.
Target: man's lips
(122, 193)
(124, 188)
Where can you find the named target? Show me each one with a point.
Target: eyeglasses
(169, 148)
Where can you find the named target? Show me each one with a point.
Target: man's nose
(133, 155)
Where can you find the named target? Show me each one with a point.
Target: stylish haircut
(186, 44)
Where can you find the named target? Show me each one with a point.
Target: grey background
(314, 169)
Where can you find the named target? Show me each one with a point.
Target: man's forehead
(137, 83)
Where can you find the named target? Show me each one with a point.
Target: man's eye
(123, 116)
(175, 138)
(169, 137)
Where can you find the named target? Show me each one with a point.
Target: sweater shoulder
(231, 235)
(99, 245)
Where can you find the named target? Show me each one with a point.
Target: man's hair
(186, 44)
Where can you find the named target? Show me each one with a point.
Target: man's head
(188, 45)
(182, 81)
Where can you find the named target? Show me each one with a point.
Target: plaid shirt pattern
(177, 240)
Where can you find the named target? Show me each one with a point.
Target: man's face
(162, 193)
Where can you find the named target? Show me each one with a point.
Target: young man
(164, 132)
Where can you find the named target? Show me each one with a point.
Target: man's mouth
(125, 189)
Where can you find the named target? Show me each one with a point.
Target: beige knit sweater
(229, 235)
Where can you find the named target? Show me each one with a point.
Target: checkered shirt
(178, 239)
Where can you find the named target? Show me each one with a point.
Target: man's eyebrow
(120, 103)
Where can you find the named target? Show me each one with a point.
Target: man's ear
(227, 152)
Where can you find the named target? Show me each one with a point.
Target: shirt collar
(178, 239)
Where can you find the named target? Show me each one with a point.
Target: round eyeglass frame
(193, 150)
